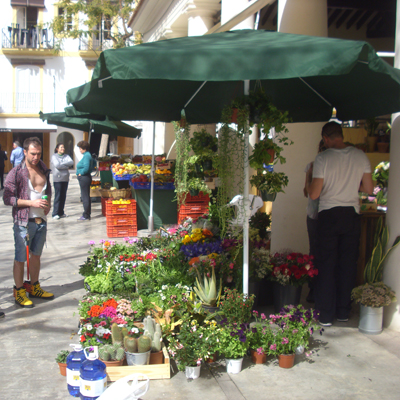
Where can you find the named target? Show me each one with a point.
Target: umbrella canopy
(304, 75)
(107, 126)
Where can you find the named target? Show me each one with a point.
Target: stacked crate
(194, 207)
(121, 219)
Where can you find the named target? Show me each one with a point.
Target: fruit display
(95, 184)
(140, 178)
(130, 169)
(121, 201)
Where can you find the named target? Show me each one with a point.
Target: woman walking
(83, 170)
(60, 163)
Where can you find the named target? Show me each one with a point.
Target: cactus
(149, 325)
(130, 344)
(103, 354)
(153, 330)
(124, 332)
(116, 333)
(156, 342)
(120, 354)
(144, 344)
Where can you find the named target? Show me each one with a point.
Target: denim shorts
(37, 238)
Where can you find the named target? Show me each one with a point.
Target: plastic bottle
(93, 376)
(44, 197)
(74, 362)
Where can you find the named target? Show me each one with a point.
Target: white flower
(164, 287)
(89, 327)
(100, 331)
(163, 297)
(134, 330)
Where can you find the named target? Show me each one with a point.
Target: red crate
(121, 220)
(103, 206)
(194, 208)
(112, 209)
(121, 231)
(182, 216)
(201, 198)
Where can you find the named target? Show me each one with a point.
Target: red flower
(106, 336)
(83, 339)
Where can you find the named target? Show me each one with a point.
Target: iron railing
(34, 38)
(31, 103)
(94, 44)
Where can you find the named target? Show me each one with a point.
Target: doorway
(68, 140)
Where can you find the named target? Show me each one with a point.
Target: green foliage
(260, 221)
(208, 292)
(236, 307)
(260, 334)
(62, 356)
(376, 294)
(203, 143)
(371, 125)
(270, 182)
(261, 156)
(374, 269)
(233, 340)
(381, 174)
(198, 184)
(83, 19)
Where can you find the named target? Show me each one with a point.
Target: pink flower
(260, 350)
(285, 340)
(126, 239)
(263, 316)
(231, 265)
(272, 347)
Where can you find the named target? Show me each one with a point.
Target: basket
(105, 193)
(121, 193)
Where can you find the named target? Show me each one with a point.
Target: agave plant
(208, 292)
(374, 269)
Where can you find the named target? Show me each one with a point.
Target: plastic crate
(112, 209)
(121, 231)
(125, 177)
(104, 165)
(121, 220)
(182, 216)
(201, 198)
(140, 185)
(103, 206)
(157, 185)
(194, 208)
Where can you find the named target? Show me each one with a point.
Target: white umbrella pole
(151, 220)
(245, 205)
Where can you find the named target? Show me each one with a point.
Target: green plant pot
(194, 192)
(268, 196)
(207, 165)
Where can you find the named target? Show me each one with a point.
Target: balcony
(94, 44)
(14, 38)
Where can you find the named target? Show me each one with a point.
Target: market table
(164, 207)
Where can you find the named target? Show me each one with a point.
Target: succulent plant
(116, 333)
(153, 330)
(144, 344)
(111, 352)
(130, 344)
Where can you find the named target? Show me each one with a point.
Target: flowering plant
(236, 306)
(233, 339)
(295, 326)
(259, 261)
(292, 268)
(171, 296)
(375, 294)
(260, 335)
(187, 347)
(381, 174)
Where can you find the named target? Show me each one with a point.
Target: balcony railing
(34, 38)
(31, 103)
(94, 44)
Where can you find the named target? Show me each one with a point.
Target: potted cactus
(153, 330)
(113, 354)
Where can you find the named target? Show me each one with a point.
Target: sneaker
(35, 290)
(56, 217)
(21, 299)
(2, 315)
(64, 216)
(342, 319)
(82, 218)
(325, 323)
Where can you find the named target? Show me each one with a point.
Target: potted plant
(234, 344)
(204, 145)
(295, 325)
(265, 152)
(374, 294)
(371, 126)
(289, 272)
(188, 346)
(260, 221)
(152, 329)
(269, 183)
(112, 354)
(208, 293)
(197, 185)
(236, 307)
(260, 338)
(61, 360)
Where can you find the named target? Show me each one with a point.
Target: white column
(289, 228)
(391, 274)
(229, 8)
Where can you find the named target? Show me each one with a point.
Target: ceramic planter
(286, 360)
(63, 369)
(113, 363)
(192, 372)
(370, 320)
(233, 365)
(258, 358)
(138, 358)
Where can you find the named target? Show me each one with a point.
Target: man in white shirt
(338, 174)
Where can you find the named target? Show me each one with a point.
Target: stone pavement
(345, 365)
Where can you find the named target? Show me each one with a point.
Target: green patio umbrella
(305, 75)
(107, 126)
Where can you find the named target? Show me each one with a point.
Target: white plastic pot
(192, 372)
(233, 366)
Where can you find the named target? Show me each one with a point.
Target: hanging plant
(181, 167)
(270, 182)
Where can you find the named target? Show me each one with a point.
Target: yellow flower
(196, 230)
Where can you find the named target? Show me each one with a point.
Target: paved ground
(346, 364)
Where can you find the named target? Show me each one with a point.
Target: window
(27, 96)
(107, 27)
(69, 19)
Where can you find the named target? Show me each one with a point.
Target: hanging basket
(267, 196)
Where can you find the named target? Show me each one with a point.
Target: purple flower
(102, 241)
(242, 338)
(91, 243)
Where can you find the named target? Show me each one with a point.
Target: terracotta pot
(63, 369)
(113, 363)
(286, 360)
(182, 122)
(234, 115)
(271, 153)
(156, 357)
(212, 359)
(258, 358)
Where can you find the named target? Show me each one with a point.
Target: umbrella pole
(245, 203)
(150, 225)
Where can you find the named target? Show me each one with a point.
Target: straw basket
(120, 193)
(105, 193)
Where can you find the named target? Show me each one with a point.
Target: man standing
(17, 155)
(24, 187)
(338, 174)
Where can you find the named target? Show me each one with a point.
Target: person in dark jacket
(83, 172)
(60, 162)
(3, 157)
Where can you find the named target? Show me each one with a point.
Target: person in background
(60, 163)
(338, 174)
(83, 172)
(23, 190)
(17, 155)
(312, 216)
(3, 157)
